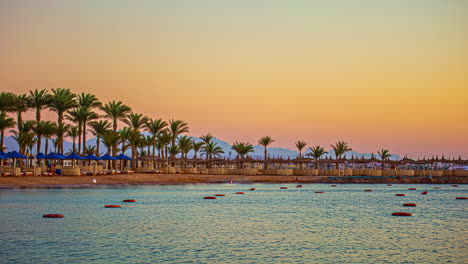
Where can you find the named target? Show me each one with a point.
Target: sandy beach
(147, 179)
(177, 179)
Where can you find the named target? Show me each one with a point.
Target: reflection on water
(174, 224)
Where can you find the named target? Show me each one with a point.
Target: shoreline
(114, 181)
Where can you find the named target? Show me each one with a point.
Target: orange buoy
(53, 215)
(129, 201)
(319, 192)
(462, 198)
(209, 197)
(112, 206)
(412, 189)
(389, 185)
(410, 204)
(239, 192)
(437, 188)
(219, 194)
(283, 188)
(333, 185)
(252, 189)
(368, 190)
(454, 185)
(400, 194)
(402, 214)
(424, 192)
(299, 186)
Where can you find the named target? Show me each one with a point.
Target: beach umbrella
(54, 156)
(40, 156)
(107, 157)
(74, 157)
(62, 156)
(2, 157)
(122, 157)
(15, 155)
(92, 157)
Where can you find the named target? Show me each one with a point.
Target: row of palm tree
(78, 114)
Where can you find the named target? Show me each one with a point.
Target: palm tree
(163, 140)
(110, 139)
(384, 155)
(242, 148)
(340, 149)
(90, 150)
(50, 129)
(185, 145)
(124, 135)
(20, 106)
(98, 128)
(196, 146)
(5, 123)
(73, 133)
(176, 128)
(317, 152)
(207, 138)
(62, 100)
(265, 142)
(40, 129)
(6, 101)
(134, 139)
(39, 100)
(116, 111)
(135, 121)
(26, 137)
(155, 126)
(88, 102)
(300, 144)
(77, 115)
(212, 150)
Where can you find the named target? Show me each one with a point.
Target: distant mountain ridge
(273, 152)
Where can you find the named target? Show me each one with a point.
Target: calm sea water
(173, 224)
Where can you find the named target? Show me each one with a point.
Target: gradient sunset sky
(376, 74)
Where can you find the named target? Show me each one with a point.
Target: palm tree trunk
(79, 138)
(2, 138)
(39, 141)
(265, 158)
(97, 144)
(46, 146)
(20, 121)
(59, 122)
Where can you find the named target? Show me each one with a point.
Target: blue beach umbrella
(2, 157)
(92, 157)
(108, 157)
(2, 153)
(40, 156)
(54, 156)
(122, 157)
(62, 156)
(15, 155)
(74, 156)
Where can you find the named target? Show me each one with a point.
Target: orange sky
(376, 74)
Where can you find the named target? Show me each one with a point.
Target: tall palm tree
(50, 129)
(207, 138)
(265, 142)
(60, 131)
(185, 145)
(5, 123)
(212, 150)
(116, 111)
(7, 100)
(110, 139)
(77, 115)
(242, 148)
(136, 121)
(73, 133)
(340, 149)
(163, 140)
(317, 152)
(62, 100)
(155, 126)
(40, 130)
(39, 100)
(98, 128)
(300, 144)
(88, 102)
(20, 106)
(134, 139)
(176, 128)
(196, 146)
(384, 155)
(26, 137)
(124, 136)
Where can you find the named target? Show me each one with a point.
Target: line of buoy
(333, 185)
(410, 204)
(53, 216)
(412, 189)
(389, 185)
(299, 186)
(252, 189)
(112, 206)
(129, 201)
(369, 190)
(436, 188)
(400, 194)
(462, 198)
(401, 214)
(454, 185)
(319, 192)
(209, 197)
(424, 192)
(283, 188)
(219, 194)
(240, 193)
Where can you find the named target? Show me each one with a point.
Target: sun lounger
(26, 173)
